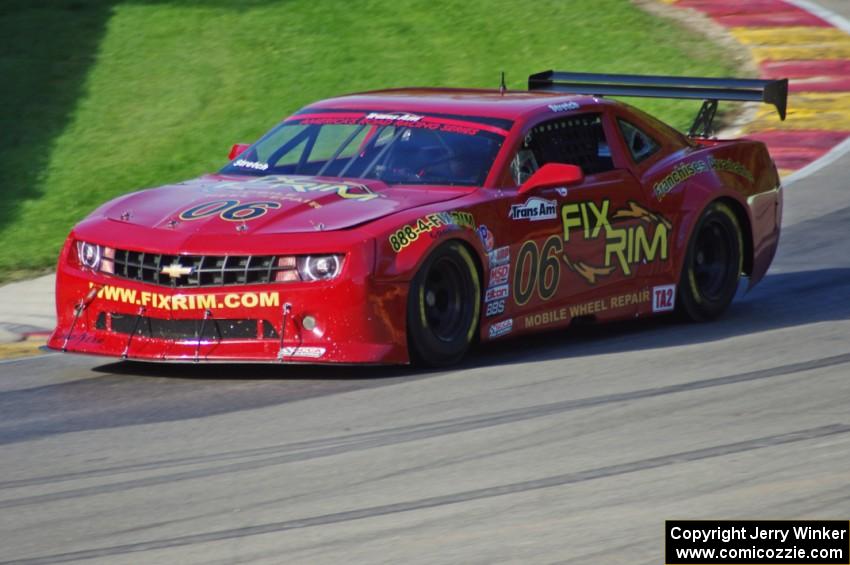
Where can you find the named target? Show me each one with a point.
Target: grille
(207, 270)
(222, 329)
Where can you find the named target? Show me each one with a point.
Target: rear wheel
(443, 306)
(713, 264)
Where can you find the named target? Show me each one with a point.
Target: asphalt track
(569, 447)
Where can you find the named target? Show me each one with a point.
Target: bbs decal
(537, 269)
(230, 210)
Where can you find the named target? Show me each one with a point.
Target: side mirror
(551, 175)
(237, 150)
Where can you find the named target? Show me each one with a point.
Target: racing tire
(443, 307)
(713, 265)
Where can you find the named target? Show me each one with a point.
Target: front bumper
(358, 320)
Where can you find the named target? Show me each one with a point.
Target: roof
(471, 102)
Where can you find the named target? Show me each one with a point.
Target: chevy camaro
(404, 225)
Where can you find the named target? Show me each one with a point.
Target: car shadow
(781, 300)
(131, 393)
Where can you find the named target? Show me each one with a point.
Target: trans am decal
(534, 209)
(624, 247)
(230, 300)
(409, 233)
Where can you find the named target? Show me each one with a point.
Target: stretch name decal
(684, 171)
(407, 234)
(209, 301)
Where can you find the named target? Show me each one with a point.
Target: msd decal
(663, 298)
(534, 209)
(499, 275)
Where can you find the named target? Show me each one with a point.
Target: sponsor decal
(610, 303)
(631, 235)
(408, 234)
(208, 301)
(684, 171)
(495, 308)
(434, 123)
(534, 209)
(311, 352)
(499, 256)
(391, 118)
(562, 191)
(499, 275)
(664, 298)
(501, 328)
(230, 210)
(282, 183)
(545, 318)
(244, 163)
(564, 106)
(487, 239)
(496, 293)
(730, 166)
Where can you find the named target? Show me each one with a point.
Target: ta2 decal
(664, 298)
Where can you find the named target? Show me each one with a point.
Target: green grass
(105, 97)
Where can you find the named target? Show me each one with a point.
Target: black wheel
(713, 264)
(443, 307)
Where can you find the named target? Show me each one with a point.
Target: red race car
(404, 225)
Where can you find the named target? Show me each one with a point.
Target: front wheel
(443, 306)
(713, 264)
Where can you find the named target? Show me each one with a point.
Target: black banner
(757, 542)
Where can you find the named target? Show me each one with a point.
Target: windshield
(396, 148)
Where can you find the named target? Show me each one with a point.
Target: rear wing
(709, 90)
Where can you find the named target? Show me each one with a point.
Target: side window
(575, 140)
(639, 143)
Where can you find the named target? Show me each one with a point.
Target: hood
(216, 204)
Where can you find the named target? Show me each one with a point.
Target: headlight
(319, 267)
(89, 254)
(291, 268)
(96, 257)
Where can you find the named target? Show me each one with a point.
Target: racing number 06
(230, 210)
(544, 270)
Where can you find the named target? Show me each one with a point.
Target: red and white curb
(809, 45)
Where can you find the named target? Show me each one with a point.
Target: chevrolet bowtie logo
(176, 270)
